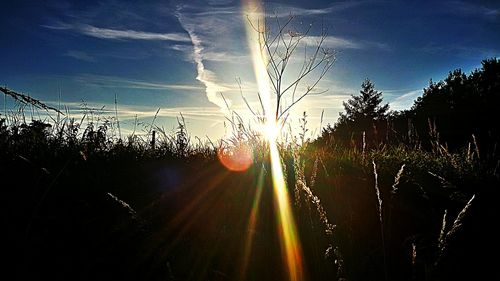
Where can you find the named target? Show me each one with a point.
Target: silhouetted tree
(462, 105)
(458, 110)
(367, 106)
(363, 114)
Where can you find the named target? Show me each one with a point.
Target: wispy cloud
(221, 56)
(127, 111)
(115, 34)
(339, 43)
(284, 10)
(219, 2)
(459, 50)
(204, 75)
(118, 82)
(58, 25)
(205, 27)
(214, 55)
(473, 9)
(274, 9)
(188, 49)
(106, 33)
(79, 55)
(405, 100)
(333, 42)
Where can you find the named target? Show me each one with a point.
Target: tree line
(452, 113)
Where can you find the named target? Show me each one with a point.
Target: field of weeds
(80, 204)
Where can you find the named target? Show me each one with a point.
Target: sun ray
(254, 213)
(289, 240)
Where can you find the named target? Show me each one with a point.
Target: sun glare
(289, 240)
(270, 131)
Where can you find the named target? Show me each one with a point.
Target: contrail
(205, 76)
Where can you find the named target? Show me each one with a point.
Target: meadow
(79, 203)
(406, 190)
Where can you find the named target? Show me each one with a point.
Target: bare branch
(27, 100)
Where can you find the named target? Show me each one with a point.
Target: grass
(81, 203)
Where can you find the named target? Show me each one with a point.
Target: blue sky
(177, 55)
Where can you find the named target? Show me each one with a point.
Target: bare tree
(280, 42)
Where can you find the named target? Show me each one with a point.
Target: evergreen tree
(461, 109)
(364, 114)
(365, 107)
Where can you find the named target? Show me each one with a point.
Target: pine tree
(363, 119)
(365, 107)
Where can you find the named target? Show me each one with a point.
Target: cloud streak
(204, 75)
(281, 10)
(215, 55)
(106, 33)
(118, 82)
(131, 116)
(458, 50)
(332, 42)
(336, 42)
(473, 9)
(79, 55)
(116, 34)
(131, 111)
(405, 100)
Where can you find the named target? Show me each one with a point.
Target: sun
(270, 131)
(289, 239)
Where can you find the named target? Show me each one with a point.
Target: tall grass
(189, 213)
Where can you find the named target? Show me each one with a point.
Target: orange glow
(290, 242)
(236, 158)
(252, 222)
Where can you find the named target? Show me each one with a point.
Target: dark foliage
(462, 105)
(364, 122)
(363, 117)
(79, 204)
(458, 111)
(89, 207)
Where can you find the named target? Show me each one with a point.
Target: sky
(180, 56)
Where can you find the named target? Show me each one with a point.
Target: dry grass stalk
(414, 259)
(476, 146)
(299, 176)
(377, 191)
(457, 224)
(397, 179)
(300, 185)
(364, 146)
(125, 205)
(413, 254)
(442, 233)
(312, 182)
(334, 252)
(379, 199)
(469, 154)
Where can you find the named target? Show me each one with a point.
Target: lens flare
(289, 240)
(236, 158)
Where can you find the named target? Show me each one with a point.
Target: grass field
(80, 204)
